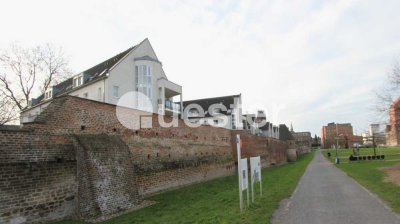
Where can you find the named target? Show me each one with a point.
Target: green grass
(370, 175)
(390, 153)
(217, 201)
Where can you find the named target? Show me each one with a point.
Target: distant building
(212, 111)
(269, 130)
(303, 140)
(286, 135)
(258, 125)
(316, 141)
(375, 134)
(367, 138)
(341, 134)
(393, 129)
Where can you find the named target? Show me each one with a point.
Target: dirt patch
(393, 174)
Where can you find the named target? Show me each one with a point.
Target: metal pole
(373, 144)
(248, 197)
(252, 184)
(337, 143)
(239, 177)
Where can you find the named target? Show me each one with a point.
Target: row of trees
(26, 73)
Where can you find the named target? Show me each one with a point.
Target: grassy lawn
(217, 201)
(368, 173)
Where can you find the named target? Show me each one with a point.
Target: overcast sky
(306, 62)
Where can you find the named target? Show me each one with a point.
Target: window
(115, 91)
(143, 80)
(78, 80)
(99, 94)
(85, 95)
(48, 94)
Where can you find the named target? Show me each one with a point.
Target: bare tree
(25, 72)
(55, 66)
(8, 112)
(389, 92)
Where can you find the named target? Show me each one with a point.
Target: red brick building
(339, 133)
(393, 130)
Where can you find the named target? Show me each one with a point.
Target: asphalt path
(326, 195)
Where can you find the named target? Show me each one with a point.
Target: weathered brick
(42, 164)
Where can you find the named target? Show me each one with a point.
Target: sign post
(239, 174)
(255, 163)
(242, 174)
(245, 178)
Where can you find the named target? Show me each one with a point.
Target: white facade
(122, 78)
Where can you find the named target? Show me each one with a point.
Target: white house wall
(92, 90)
(30, 114)
(123, 74)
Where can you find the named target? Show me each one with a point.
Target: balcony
(171, 106)
(168, 91)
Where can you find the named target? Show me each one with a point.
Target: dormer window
(78, 80)
(48, 94)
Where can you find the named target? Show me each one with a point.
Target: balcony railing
(172, 106)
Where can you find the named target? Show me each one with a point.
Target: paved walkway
(326, 195)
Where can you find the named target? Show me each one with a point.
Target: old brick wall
(271, 151)
(162, 158)
(107, 184)
(38, 177)
(176, 156)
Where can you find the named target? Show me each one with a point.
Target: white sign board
(255, 164)
(255, 167)
(243, 174)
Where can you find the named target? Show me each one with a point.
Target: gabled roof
(227, 101)
(91, 75)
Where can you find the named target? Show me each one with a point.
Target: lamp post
(373, 143)
(337, 144)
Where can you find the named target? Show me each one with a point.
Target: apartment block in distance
(341, 134)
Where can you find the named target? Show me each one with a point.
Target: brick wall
(181, 151)
(38, 177)
(271, 151)
(107, 183)
(160, 158)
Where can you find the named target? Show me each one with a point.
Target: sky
(304, 62)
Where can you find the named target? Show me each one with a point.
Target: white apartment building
(135, 69)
